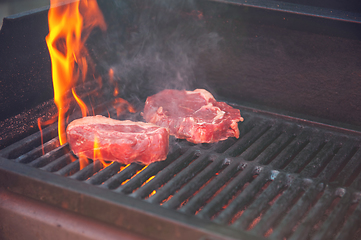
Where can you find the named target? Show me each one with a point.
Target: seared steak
(123, 141)
(193, 115)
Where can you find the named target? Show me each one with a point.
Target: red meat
(123, 141)
(193, 115)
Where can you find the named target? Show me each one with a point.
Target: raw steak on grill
(193, 115)
(123, 141)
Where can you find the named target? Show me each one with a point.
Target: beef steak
(123, 141)
(193, 115)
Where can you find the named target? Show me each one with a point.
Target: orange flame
(111, 80)
(83, 161)
(111, 75)
(97, 155)
(41, 136)
(116, 91)
(83, 107)
(40, 126)
(121, 104)
(69, 27)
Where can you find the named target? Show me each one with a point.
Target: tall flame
(69, 27)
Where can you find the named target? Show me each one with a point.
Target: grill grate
(282, 179)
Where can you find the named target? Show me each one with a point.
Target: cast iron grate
(282, 179)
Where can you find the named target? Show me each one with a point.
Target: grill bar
(168, 172)
(350, 169)
(343, 154)
(292, 150)
(49, 156)
(323, 156)
(284, 202)
(220, 199)
(261, 203)
(277, 146)
(38, 151)
(198, 181)
(205, 193)
(119, 178)
(151, 171)
(352, 224)
(284, 229)
(248, 139)
(356, 183)
(305, 152)
(263, 142)
(58, 163)
(175, 183)
(314, 215)
(244, 198)
(69, 169)
(335, 219)
(104, 174)
(29, 143)
(88, 171)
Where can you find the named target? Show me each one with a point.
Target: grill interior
(283, 178)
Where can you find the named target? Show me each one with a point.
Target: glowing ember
(124, 167)
(154, 192)
(149, 179)
(269, 232)
(134, 174)
(69, 27)
(254, 222)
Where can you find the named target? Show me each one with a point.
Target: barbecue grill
(294, 173)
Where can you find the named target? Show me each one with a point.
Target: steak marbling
(193, 115)
(123, 141)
